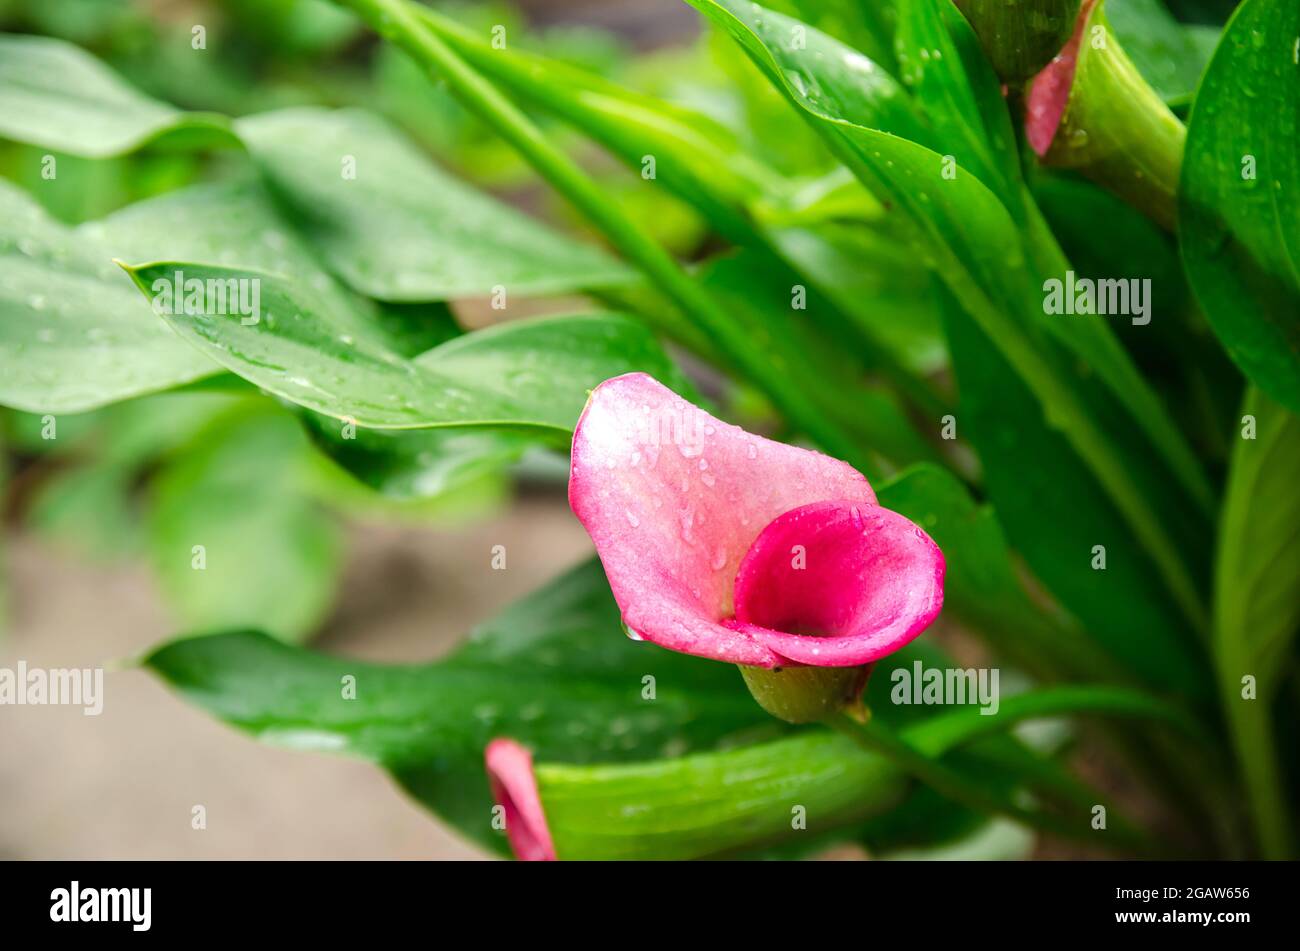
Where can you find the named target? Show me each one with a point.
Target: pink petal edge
(867, 580)
(1049, 91)
(673, 498)
(510, 773)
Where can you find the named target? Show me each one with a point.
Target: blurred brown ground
(122, 785)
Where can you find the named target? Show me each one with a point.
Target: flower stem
(916, 749)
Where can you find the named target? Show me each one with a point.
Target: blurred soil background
(122, 785)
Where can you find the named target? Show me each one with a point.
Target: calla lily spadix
(726, 545)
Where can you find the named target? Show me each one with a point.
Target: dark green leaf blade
(1058, 513)
(981, 585)
(1257, 603)
(1239, 199)
(554, 671)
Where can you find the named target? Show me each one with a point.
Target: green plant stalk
(940, 734)
(1252, 735)
(1250, 721)
(606, 112)
(904, 751)
(1118, 131)
(399, 23)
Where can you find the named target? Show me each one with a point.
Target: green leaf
(73, 335)
(1020, 38)
(697, 158)
(554, 671)
(712, 803)
(941, 61)
(236, 224)
(531, 374)
(1257, 603)
(1170, 55)
(396, 227)
(385, 218)
(410, 464)
(1239, 201)
(236, 538)
(55, 95)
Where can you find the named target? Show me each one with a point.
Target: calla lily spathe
(725, 545)
(514, 787)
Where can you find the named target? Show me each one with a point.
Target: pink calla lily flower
(514, 787)
(725, 545)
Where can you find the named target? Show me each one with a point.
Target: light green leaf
(1239, 200)
(711, 803)
(73, 334)
(1170, 55)
(396, 227)
(234, 534)
(940, 59)
(531, 374)
(1257, 603)
(58, 96)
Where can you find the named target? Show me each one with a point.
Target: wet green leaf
(73, 334)
(554, 671)
(396, 227)
(293, 339)
(1239, 201)
(59, 96)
